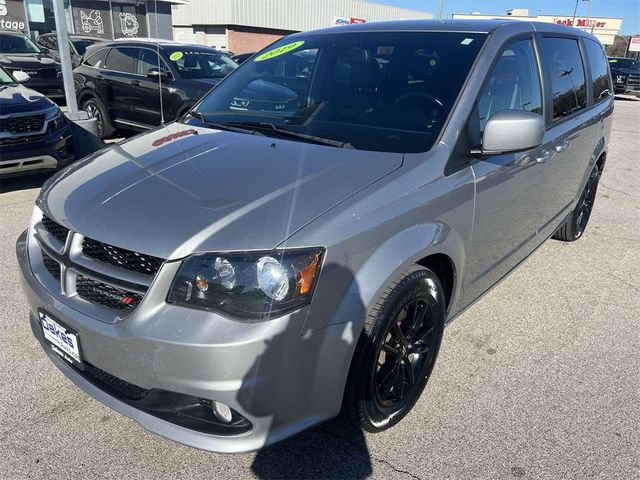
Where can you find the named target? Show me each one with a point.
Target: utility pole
(65, 56)
(440, 2)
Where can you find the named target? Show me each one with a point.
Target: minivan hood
(15, 98)
(182, 189)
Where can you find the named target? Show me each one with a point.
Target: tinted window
(10, 43)
(599, 70)
(81, 45)
(148, 59)
(381, 91)
(561, 56)
(513, 84)
(122, 59)
(97, 59)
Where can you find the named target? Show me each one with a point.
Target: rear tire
(96, 109)
(396, 351)
(573, 228)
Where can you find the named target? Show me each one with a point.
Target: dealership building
(99, 18)
(604, 28)
(248, 25)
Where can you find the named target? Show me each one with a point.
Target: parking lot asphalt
(539, 379)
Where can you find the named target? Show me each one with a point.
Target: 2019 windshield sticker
(175, 56)
(278, 51)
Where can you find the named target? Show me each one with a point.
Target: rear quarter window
(599, 70)
(562, 60)
(96, 60)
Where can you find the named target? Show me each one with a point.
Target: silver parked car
(294, 246)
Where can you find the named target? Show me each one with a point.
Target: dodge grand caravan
(253, 269)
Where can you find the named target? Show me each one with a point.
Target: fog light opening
(221, 411)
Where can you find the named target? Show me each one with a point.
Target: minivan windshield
(626, 63)
(10, 43)
(379, 91)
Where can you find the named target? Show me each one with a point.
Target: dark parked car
(19, 52)
(119, 82)
(34, 133)
(625, 73)
(77, 45)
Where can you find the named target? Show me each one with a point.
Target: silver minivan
(294, 246)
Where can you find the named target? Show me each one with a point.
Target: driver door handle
(136, 83)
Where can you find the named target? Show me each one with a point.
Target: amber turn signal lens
(307, 274)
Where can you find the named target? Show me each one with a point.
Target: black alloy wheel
(96, 110)
(396, 351)
(573, 228)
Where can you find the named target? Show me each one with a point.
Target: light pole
(65, 56)
(575, 10)
(586, 27)
(440, 2)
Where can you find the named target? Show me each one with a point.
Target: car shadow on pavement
(23, 182)
(334, 449)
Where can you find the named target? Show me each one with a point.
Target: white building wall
(293, 15)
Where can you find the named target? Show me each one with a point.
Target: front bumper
(53, 151)
(278, 379)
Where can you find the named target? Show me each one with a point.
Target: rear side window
(97, 59)
(122, 59)
(561, 57)
(599, 70)
(513, 84)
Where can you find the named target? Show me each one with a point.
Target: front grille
(22, 124)
(51, 265)
(134, 261)
(633, 81)
(116, 385)
(107, 295)
(55, 230)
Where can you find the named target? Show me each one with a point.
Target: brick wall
(249, 39)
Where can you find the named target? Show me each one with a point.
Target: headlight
(56, 117)
(251, 285)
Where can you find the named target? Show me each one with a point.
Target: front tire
(396, 351)
(573, 228)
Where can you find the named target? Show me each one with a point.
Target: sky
(628, 10)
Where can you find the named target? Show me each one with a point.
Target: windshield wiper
(284, 133)
(221, 126)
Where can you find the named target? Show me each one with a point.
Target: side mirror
(155, 72)
(20, 76)
(45, 50)
(511, 131)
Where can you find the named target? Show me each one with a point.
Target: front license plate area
(63, 340)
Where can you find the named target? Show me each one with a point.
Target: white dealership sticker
(63, 342)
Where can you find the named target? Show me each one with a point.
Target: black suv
(77, 45)
(18, 52)
(625, 73)
(118, 82)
